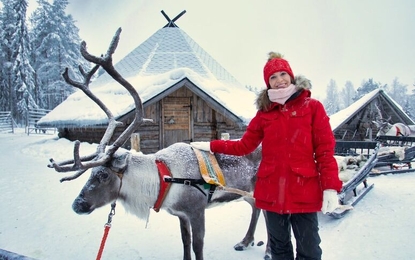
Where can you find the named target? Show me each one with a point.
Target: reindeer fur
(348, 165)
(133, 179)
(397, 129)
(398, 151)
(140, 188)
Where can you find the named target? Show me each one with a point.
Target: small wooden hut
(356, 121)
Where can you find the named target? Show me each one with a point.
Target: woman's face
(279, 80)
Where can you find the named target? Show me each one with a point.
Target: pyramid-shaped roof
(168, 57)
(168, 49)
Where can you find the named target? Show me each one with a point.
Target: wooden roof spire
(171, 22)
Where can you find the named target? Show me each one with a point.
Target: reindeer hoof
(260, 243)
(241, 246)
(267, 257)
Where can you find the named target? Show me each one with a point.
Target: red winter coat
(297, 153)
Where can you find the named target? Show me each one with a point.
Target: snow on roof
(164, 59)
(343, 115)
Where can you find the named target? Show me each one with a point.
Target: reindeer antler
(100, 157)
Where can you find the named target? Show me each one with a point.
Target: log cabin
(186, 93)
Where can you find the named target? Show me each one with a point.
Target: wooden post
(224, 136)
(135, 142)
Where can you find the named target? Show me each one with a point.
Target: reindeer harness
(398, 131)
(209, 168)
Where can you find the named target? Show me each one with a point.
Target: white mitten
(204, 146)
(330, 201)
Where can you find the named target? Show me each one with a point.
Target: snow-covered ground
(36, 218)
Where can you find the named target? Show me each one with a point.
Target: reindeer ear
(119, 161)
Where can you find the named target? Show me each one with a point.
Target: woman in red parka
(298, 175)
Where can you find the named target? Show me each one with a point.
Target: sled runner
(362, 157)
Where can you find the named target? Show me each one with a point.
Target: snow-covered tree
(347, 94)
(331, 103)
(409, 106)
(17, 73)
(4, 93)
(366, 87)
(398, 91)
(56, 43)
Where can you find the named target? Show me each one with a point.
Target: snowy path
(37, 220)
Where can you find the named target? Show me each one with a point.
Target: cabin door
(176, 120)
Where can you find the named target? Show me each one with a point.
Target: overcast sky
(322, 39)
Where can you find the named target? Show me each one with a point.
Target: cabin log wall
(207, 124)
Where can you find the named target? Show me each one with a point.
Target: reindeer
(143, 181)
(397, 129)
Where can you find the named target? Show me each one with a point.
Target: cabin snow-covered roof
(356, 120)
(345, 114)
(163, 60)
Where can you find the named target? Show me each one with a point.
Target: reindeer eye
(103, 176)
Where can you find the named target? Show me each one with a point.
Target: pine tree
(17, 73)
(331, 103)
(409, 106)
(347, 94)
(4, 93)
(398, 91)
(367, 86)
(55, 41)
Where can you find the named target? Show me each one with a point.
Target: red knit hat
(276, 64)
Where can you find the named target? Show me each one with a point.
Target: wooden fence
(6, 122)
(33, 115)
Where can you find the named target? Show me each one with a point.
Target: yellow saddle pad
(209, 168)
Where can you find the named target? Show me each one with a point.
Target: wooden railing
(6, 122)
(33, 115)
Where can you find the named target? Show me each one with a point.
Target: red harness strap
(398, 131)
(164, 186)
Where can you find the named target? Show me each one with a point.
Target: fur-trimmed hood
(263, 103)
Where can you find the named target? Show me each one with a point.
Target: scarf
(281, 95)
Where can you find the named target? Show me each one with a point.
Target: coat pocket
(305, 185)
(268, 190)
(266, 168)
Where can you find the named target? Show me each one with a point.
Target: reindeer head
(106, 178)
(103, 186)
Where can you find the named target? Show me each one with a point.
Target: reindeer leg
(249, 237)
(186, 238)
(198, 230)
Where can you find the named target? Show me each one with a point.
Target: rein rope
(236, 191)
(107, 225)
(106, 231)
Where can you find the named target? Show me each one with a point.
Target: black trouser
(305, 228)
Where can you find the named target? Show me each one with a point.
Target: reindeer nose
(80, 206)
